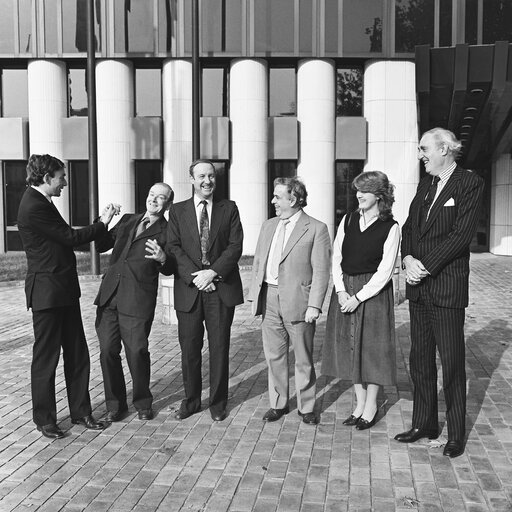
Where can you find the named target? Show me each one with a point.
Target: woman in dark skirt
(359, 343)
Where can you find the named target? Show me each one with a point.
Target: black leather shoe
(351, 421)
(89, 422)
(146, 414)
(309, 418)
(51, 431)
(113, 416)
(453, 448)
(275, 414)
(363, 424)
(413, 435)
(218, 416)
(182, 414)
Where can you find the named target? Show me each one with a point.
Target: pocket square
(450, 202)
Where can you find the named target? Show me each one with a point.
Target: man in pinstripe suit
(435, 255)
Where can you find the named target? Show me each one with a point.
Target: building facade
(322, 89)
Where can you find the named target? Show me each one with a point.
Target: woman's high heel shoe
(351, 420)
(363, 424)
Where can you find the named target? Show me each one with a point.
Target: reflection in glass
(166, 25)
(15, 174)
(282, 92)
(6, 27)
(362, 26)
(278, 169)
(79, 187)
(25, 25)
(471, 29)
(221, 180)
(306, 26)
(349, 92)
(445, 23)
(273, 25)
(497, 25)
(345, 200)
(214, 92)
(331, 26)
(74, 26)
(414, 24)
(147, 173)
(221, 25)
(187, 16)
(148, 92)
(134, 26)
(50, 26)
(14, 88)
(77, 93)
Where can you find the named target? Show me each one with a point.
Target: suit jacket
(443, 245)
(48, 240)
(304, 269)
(226, 239)
(133, 276)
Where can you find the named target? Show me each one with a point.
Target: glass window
(414, 24)
(25, 25)
(345, 200)
(74, 26)
(306, 26)
(471, 29)
(166, 25)
(6, 27)
(187, 16)
(445, 23)
(274, 25)
(282, 92)
(349, 92)
(331, 26)
(148, 92)
(221, 24)
(497, 23)
(147, 173)
(278, 169)
(362, 26)
(77, 93)
(15, 174)
(50, 26)
(214, 92)
(221, 180)
(14, 88)
(134, 26)
(78, 175)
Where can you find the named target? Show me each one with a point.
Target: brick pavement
(243, 464)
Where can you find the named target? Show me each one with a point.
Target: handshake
(108, 213)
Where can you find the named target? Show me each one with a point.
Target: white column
(177, 117)
(47, 105)
(116, 170)
(500, 235)
(390, 109)
(248, 173)
(316, 111)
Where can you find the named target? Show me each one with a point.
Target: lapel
(298, 232)
(190, 219)
(266, 241)
(422, 192)
(216, 221)
(133, 229)
(153, 230)
(444, 195)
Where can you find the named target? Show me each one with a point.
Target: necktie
(427, 203)
(278, 250)
(204, 232)
(142, 226)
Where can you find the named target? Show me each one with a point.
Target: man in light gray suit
(289, 280)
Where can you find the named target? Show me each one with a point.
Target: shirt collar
(198, 200)
(294, 218)
(445, 174)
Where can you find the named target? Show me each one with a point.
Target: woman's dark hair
(378, 184)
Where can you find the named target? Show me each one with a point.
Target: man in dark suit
(53, 292)
(435, 254)
(205, 237)
(127, 298)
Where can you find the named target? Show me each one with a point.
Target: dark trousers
(218, 318)
(54, 329)
(432, 327)
(114, 327)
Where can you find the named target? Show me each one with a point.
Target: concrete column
(316, 111)
(177, 117)
(390, 109)
(47, 105)
(116, 169)
(500, 234)
(248, 173)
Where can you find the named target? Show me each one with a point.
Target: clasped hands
(348, 303)
(108, 213)
(414, 270)
(203, 280)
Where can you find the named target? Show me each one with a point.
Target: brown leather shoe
(89, 422)
(51, 431)
(275, 414)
